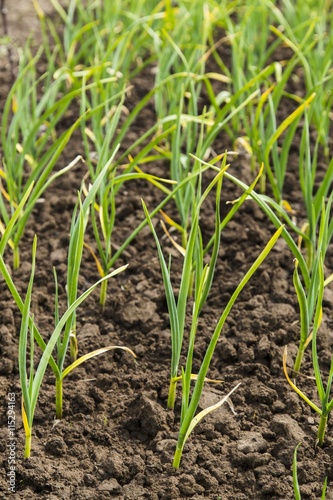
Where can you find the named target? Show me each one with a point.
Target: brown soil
(117, 438)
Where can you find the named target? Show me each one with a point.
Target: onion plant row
(93, 66)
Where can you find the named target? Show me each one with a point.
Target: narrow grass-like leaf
(277, 223)
(199, 417)
(304, 318)
(55, 335)
(92, 354)
(28, 414)
(197, 391)
(296, 389)
(16, 296)
(18, 213)
(176, 333)
(297, 491)
(217, 236)
(316, 325)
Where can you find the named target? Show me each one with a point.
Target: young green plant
(109, 39)
(104, 129)
(204, 274)
(69, 337)
(30, 377)
(177, 308)
(189, 419)
(191, 266)
(324, 392)
(297, 490)
(307, 296)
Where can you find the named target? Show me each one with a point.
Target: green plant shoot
(189, 406)
(324, 392)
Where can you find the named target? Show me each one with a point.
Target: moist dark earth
(117, 437)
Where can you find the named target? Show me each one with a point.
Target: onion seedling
(297, 491)
(31, 382)
(179, 96)
(306, 285)
(204, 274)
(69, 338)
(207, 127)
(263, 130)
(308, 297)
(248, 35)
(31, 378)
(193, 262)
(107, 129)
(312, 194)
(109, 38)
(7, 230)
(195, 131)
(306, 307)
(181, 47)
(267, 139)
(177, 308)
(190, 403)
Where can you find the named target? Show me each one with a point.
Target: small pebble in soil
(251, 442)
(58, 256)
(110, 485)
(278, 407)
(284, 425)
(263, 347)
